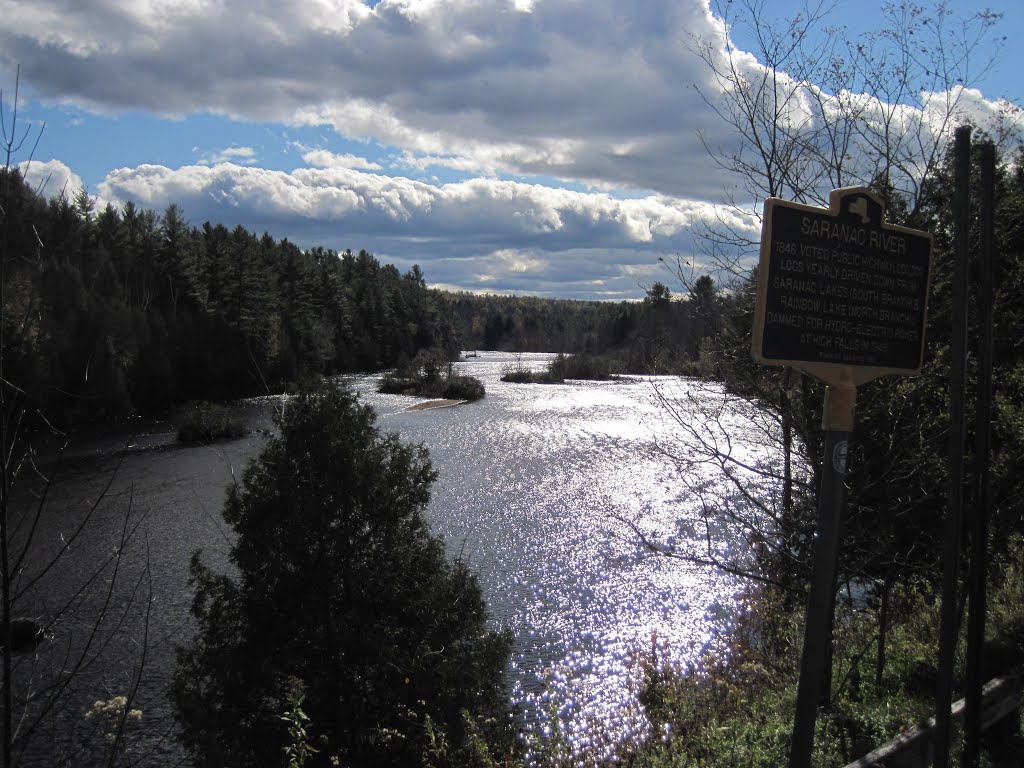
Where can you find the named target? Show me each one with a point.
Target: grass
(735, 706)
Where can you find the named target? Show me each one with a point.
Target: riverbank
(528, 481)
(736, 704)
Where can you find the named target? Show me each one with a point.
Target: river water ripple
(534, 483)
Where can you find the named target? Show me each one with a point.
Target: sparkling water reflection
(533, 483)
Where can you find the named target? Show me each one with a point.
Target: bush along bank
(205, 422)
(735, 705)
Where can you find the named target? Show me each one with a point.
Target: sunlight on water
(536, 486)
(543, 489)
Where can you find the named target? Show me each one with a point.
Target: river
(534, 484)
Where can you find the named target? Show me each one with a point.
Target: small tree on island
(345, 601)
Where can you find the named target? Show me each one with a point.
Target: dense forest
(660, 334)
(122, 310)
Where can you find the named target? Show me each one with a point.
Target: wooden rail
(1000, 697)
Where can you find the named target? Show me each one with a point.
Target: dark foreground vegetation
(735, 704)
(345, 617)
(205, 422)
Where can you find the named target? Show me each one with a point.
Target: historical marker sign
(842, 295)
(839, 288)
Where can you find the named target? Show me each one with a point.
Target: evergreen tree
(344, 594)
(116, 311)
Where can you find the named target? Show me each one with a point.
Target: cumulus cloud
(51, 177)
(595, 92)
(515, 98)
(473, 234)
(367, 202)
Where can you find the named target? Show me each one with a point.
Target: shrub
(518, 373)
(735, 705)
(206, 422)
(586, 367)
(393, 384)
(463, 388)
(430, 375)
(581, 367)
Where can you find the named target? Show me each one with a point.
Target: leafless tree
(46, 655)
(809, 109)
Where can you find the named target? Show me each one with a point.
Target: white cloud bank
(50, 178)
(595, 92)
(459, 231)
(592, 95)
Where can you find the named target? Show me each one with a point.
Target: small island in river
(431, 374)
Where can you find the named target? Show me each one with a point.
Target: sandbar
(434, 404)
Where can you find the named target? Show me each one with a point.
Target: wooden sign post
(841, 295)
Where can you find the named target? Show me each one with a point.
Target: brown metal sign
(841, 294)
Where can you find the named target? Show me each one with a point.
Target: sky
(535, 147)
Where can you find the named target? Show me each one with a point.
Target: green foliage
(438, 752)
(658, 335)
(1005, 616)
(297, 750)
(341, 586)
(206, 422)
(734, 706)
(711, 714)
(123, 310)
(431, 374)
(563, 367)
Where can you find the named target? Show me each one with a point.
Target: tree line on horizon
(122, 310)
(662, 333)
